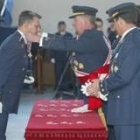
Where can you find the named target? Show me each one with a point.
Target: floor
(17, 123)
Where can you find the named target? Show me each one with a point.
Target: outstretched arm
(88, 42)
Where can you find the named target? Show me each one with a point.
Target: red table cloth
(53, 120)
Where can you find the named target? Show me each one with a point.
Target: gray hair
(91, 18)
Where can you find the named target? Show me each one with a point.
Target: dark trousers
(3, 124)
(128, 132)
(111, 134)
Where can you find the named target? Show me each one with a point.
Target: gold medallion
(81, 66)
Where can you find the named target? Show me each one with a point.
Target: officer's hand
(29, 80)
(33, 37)
(94, 88)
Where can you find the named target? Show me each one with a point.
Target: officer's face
(62, 28)
(34, 26)
(118, 26)
(99, 25)
(112, 27)
(79, 25)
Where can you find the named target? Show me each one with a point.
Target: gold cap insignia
(115, 14)
(78, 13)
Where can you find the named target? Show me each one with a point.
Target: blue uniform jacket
(13, 65)
(123, 83)
(61, 56)
(89, 51)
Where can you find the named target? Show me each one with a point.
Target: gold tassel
(102, 117)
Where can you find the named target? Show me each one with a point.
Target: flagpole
(3, 8)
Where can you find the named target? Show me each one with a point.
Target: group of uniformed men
(91, 59)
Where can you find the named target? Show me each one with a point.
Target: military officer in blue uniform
(60, 58)
(90, 49)
(123, 83)
(13, 66)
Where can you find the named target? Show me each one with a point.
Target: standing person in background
(99, 24)
(13, 66)
(60, 58)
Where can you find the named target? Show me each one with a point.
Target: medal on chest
(29, 45)
(114, 65)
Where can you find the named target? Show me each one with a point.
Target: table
(53, 120)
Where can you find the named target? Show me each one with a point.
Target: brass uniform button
(81, 66)
(101, 85)
(102, 90)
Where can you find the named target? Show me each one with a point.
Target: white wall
(53, 11)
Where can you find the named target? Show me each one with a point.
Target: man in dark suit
(90, 50)
(13, 65)
(123, 83)
(60, 58)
